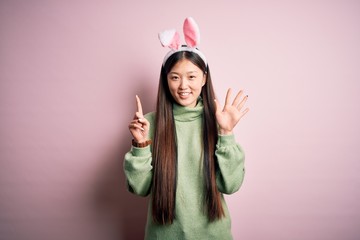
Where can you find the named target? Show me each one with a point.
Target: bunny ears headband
(171, 39)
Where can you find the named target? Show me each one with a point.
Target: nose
(183, 84)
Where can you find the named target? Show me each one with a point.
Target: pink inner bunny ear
(191, 32)
(170, 38)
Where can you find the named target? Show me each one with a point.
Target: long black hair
(165, 150)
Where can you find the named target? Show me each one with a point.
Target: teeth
(184, 94)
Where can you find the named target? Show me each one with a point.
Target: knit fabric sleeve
(138, 168)
(230, 157)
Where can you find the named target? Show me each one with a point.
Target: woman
(184, 155)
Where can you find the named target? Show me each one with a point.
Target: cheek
(172, 88)
(200, 85)
(170, 85)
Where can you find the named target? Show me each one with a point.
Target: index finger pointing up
(138, 104)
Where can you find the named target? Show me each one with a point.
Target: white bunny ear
(170, 38)
(191, 32)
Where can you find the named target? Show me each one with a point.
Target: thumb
(217, 105)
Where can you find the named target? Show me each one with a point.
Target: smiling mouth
(184, 93)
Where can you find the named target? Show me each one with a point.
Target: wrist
(141, 144)
(225, 132)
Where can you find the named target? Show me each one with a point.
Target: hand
(230, 115)
(139, 126)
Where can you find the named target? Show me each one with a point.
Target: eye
(192, 77)
(174, 77)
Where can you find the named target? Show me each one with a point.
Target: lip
(184, 95)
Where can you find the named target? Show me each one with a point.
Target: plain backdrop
(69, 73)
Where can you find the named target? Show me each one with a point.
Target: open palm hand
(228, 116)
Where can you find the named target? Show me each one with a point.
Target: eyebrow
(187, 72)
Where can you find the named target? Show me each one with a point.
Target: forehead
(184, 66)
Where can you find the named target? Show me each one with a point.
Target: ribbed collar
(186, 114)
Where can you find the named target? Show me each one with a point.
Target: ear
(170, 38)
(191, 32)
(204, 79)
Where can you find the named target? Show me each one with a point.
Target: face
(185, 82)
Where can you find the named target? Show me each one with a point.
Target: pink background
(69, 71)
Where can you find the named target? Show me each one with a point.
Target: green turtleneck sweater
(190, 221)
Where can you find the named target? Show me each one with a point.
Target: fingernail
(142, 129)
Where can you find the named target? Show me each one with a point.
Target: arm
(137, 163)
(138, 170)
(230, 158)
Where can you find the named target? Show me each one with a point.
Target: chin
(186, 103)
